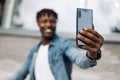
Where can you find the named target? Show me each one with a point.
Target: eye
(53, 21)
(43, 21)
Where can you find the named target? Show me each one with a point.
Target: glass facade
(106, 14)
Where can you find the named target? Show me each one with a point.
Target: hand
(93, 40)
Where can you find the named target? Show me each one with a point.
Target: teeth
(48, 30)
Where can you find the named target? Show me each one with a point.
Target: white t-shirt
(42, 67)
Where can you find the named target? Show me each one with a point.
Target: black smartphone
(84, 20)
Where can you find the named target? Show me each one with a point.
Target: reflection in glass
(17, 22)
(106, 14)
(110, 8)
(1, 10)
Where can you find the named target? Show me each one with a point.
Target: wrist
(97, 56)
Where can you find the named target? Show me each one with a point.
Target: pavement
(108, 67)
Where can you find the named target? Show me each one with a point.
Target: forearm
(84, 62)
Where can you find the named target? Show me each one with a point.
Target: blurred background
(19, 33)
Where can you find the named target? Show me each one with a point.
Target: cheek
(54, 26)
(41, 26)
(42, 29)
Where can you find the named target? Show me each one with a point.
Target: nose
(48, 24)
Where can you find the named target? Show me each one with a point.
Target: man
(52, 58)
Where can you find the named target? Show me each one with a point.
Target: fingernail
(81, 31)
(78, 35)
(85, 29)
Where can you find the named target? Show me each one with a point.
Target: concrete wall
(16, 48)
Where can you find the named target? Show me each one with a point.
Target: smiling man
(53, 56)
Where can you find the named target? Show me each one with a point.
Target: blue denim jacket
(62, 53)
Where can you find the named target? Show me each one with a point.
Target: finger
(87, 40)
(88, 48)
(93, 31)
(82, 46)
(89, 35)
(85, 47)
(96, 33)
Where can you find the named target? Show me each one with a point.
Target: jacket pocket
(57, 59)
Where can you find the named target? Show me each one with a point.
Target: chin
(49, 36)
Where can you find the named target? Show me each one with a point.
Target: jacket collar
(52, 42)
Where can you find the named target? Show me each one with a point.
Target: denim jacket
(62, 53)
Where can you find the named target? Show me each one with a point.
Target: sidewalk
(108, 67)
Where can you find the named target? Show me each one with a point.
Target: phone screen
(84, 20)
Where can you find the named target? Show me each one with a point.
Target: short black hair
(44, 11)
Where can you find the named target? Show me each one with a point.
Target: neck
(46, 41)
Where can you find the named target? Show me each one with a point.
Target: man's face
(47, 25)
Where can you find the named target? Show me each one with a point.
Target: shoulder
(66, 42)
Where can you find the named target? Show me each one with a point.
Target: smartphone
(84, 20)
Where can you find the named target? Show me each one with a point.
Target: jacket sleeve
(77, 55)
(24, 69)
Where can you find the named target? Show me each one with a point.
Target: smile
(48, 30)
